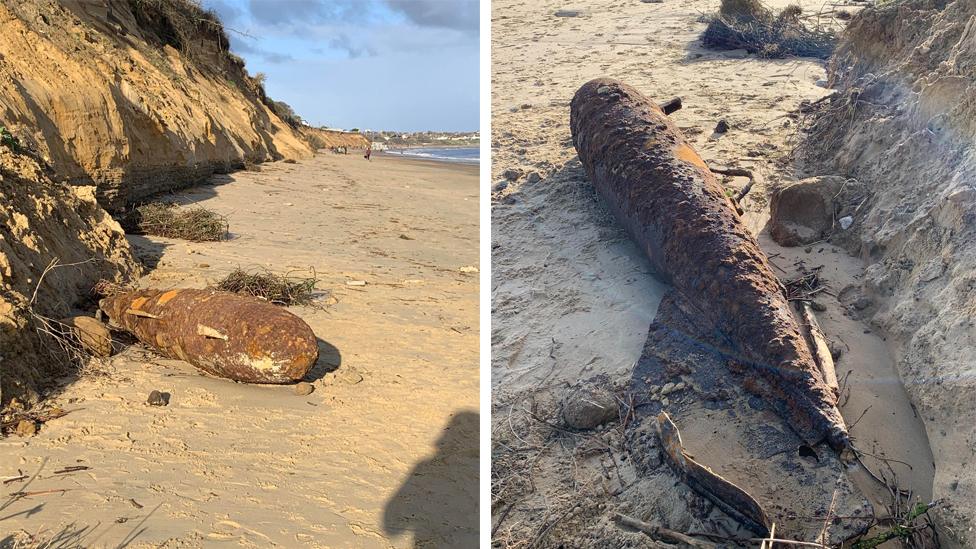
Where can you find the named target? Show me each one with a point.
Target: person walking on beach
(369, 152)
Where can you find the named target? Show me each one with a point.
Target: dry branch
(661, 533)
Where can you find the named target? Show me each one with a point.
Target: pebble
(587, 406)
(567, 13)
(818, 306)
(512, 174)
(157, 398)
(303, 388)
(722, 126)
(534, 177)
(668, 387)
(26, 428)
(836, 349)
(846, 222)
(499, 187)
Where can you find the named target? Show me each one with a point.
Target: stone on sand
(586, 407)
(93, 335)
(303, 388)
(26, 428)
(803, 213)
(157, 398)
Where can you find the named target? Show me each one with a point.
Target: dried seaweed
(748, 25)
(272, 287)
(196, 224)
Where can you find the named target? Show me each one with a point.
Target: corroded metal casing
(225, 334)
(664, 194)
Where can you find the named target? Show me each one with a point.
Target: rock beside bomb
(587, 406)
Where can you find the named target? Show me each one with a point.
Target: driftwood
(662, 533)
(739, 172)
(675, 209)
(818, 345)
(241, 338)
(728, 497)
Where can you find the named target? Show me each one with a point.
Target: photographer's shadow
(438, 501)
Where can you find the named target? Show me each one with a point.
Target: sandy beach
(572, 296)
(383, 453)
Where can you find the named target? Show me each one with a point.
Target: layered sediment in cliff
(326, 139)
(42, 221)
(136, 97)
(903, 124)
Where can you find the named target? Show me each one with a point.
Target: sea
(466, 155)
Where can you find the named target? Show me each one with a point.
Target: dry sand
(385, 450)
(572, 297)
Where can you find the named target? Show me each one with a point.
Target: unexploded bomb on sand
(227, 335)
(670, 202)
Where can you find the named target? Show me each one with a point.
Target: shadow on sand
(438, 502)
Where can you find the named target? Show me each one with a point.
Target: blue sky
(406, 65)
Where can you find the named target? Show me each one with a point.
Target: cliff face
(135, 97)
(325, 139)
(40, 221)
(903, 124)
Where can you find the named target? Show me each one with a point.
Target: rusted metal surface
(733, 500)
(227, 335)
(664, 194)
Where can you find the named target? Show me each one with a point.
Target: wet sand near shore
(572, 297)
(383, 453)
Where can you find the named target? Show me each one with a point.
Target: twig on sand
(40, 492)
(661, 533)
(790, 542)
(545, 531)
(501, 518)
(851, 427)
(739, 172)
(72, 469)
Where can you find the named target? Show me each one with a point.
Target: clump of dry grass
(749, 25)
(272, 287)
(182, 24)
(195, 224)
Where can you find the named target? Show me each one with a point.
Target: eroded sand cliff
(135, 97)
(42, 221)
(903, 125)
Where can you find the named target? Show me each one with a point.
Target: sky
(402, 65)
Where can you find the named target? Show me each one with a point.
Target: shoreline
(468, 163)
